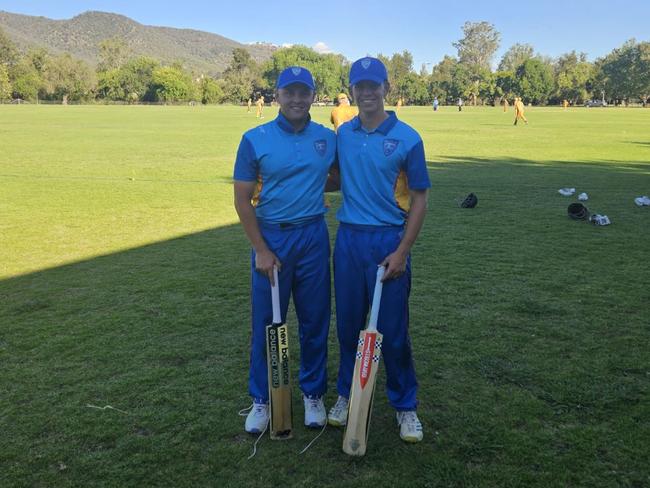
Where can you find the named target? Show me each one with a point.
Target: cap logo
(296, 71)
(365, 63)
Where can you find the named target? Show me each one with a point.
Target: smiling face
(295, 101)
(369, 96)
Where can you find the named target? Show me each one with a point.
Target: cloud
(321, 47)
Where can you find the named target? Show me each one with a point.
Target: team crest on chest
(321, 146)
(389, 146)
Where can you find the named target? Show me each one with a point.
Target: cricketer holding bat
(280, 175)
(384, 183)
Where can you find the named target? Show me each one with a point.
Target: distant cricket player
(384, 182)
(249, 104)
(505, 104)
(343, 112)
(519, 111)
(280, 174)
(260, 106)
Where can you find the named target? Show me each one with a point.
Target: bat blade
(277, 357)
(362, 391)
(355, 439)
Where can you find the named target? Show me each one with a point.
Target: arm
(333, 182)
(264, 258)
(396, 261)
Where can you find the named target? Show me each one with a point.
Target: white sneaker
(583, 197)
(567, 192)
(338, 415)
(315, 414)
(410, 428)
(642, 201)
(257, 418)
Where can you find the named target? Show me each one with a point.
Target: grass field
(124, 282)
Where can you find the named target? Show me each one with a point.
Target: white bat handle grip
(275, 297)
(376, 299)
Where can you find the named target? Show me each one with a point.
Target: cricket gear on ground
(338, 415)
(368, 69)
(355, 439)
(257, 419)
(566, 192)
(315, 413)
(290, 169)
(410, 428)
(470, 201)
(598, 219)
(279, 376)
(303, 250)
(643, 201)
(583, 197)
(359, 249)
(295, 74)
(378, 168)
(577, 211)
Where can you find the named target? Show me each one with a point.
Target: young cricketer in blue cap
(384, 183)
(280, 175)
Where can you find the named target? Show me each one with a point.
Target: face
(369, 95)
(295, 101)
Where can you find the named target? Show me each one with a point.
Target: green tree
(624, 73)
(210, 91)
(573, 74)
(8, 52)
(67, 78)
(113, 53)
(476, 49)
(515, 57)
(535, 81)
(242, 76)
(170, 84)
(441, 79)
(26, 82)
(400, 68)
(506, 84)
(5, 84)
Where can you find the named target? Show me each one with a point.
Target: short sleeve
(416, 168)
(246, 166)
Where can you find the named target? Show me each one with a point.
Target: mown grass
(124, 282)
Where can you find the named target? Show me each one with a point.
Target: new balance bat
(362, 391)
(277, 358)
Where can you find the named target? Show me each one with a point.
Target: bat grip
(275, 297)
(376, 299)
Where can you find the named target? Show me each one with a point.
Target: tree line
(622, 76)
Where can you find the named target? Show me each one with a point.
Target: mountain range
(199, 51)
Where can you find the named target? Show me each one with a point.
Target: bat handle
(376, 299)
(275, 297)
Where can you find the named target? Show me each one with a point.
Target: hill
(200, 51)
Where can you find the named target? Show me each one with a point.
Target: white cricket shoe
(567, 192)
(257, 419)
(315, 414)
(410, 428)
(338, 415)
(583, 197)
(642, 201)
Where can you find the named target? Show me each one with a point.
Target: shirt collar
(383, 128)
(286, 126)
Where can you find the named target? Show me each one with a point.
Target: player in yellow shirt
(400, 102)
(260, 106)
(343, 112)
(249, 104)
(565, 103)
(505, 104)
(519, 111)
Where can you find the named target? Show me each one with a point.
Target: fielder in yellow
(565, 103)
(505, 104)
(519, 111)
(260, 106)
(400, 102)
(343, 112)
(249, 104)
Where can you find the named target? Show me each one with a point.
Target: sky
(427, 29)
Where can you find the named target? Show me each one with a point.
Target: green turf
(124, 282)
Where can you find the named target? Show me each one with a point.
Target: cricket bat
(277, 358)
(355, 439)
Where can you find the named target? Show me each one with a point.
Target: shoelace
(409, 418)
(314, 403)
(339, 406)
(258, 409)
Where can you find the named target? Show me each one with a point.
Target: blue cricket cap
(368, 69)
(295, 74)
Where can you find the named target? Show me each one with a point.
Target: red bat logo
(366, 357)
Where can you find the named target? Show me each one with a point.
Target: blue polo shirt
(290, 169)
(378, 168)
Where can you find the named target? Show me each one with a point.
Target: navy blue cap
(295, 74)
(368, 69)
